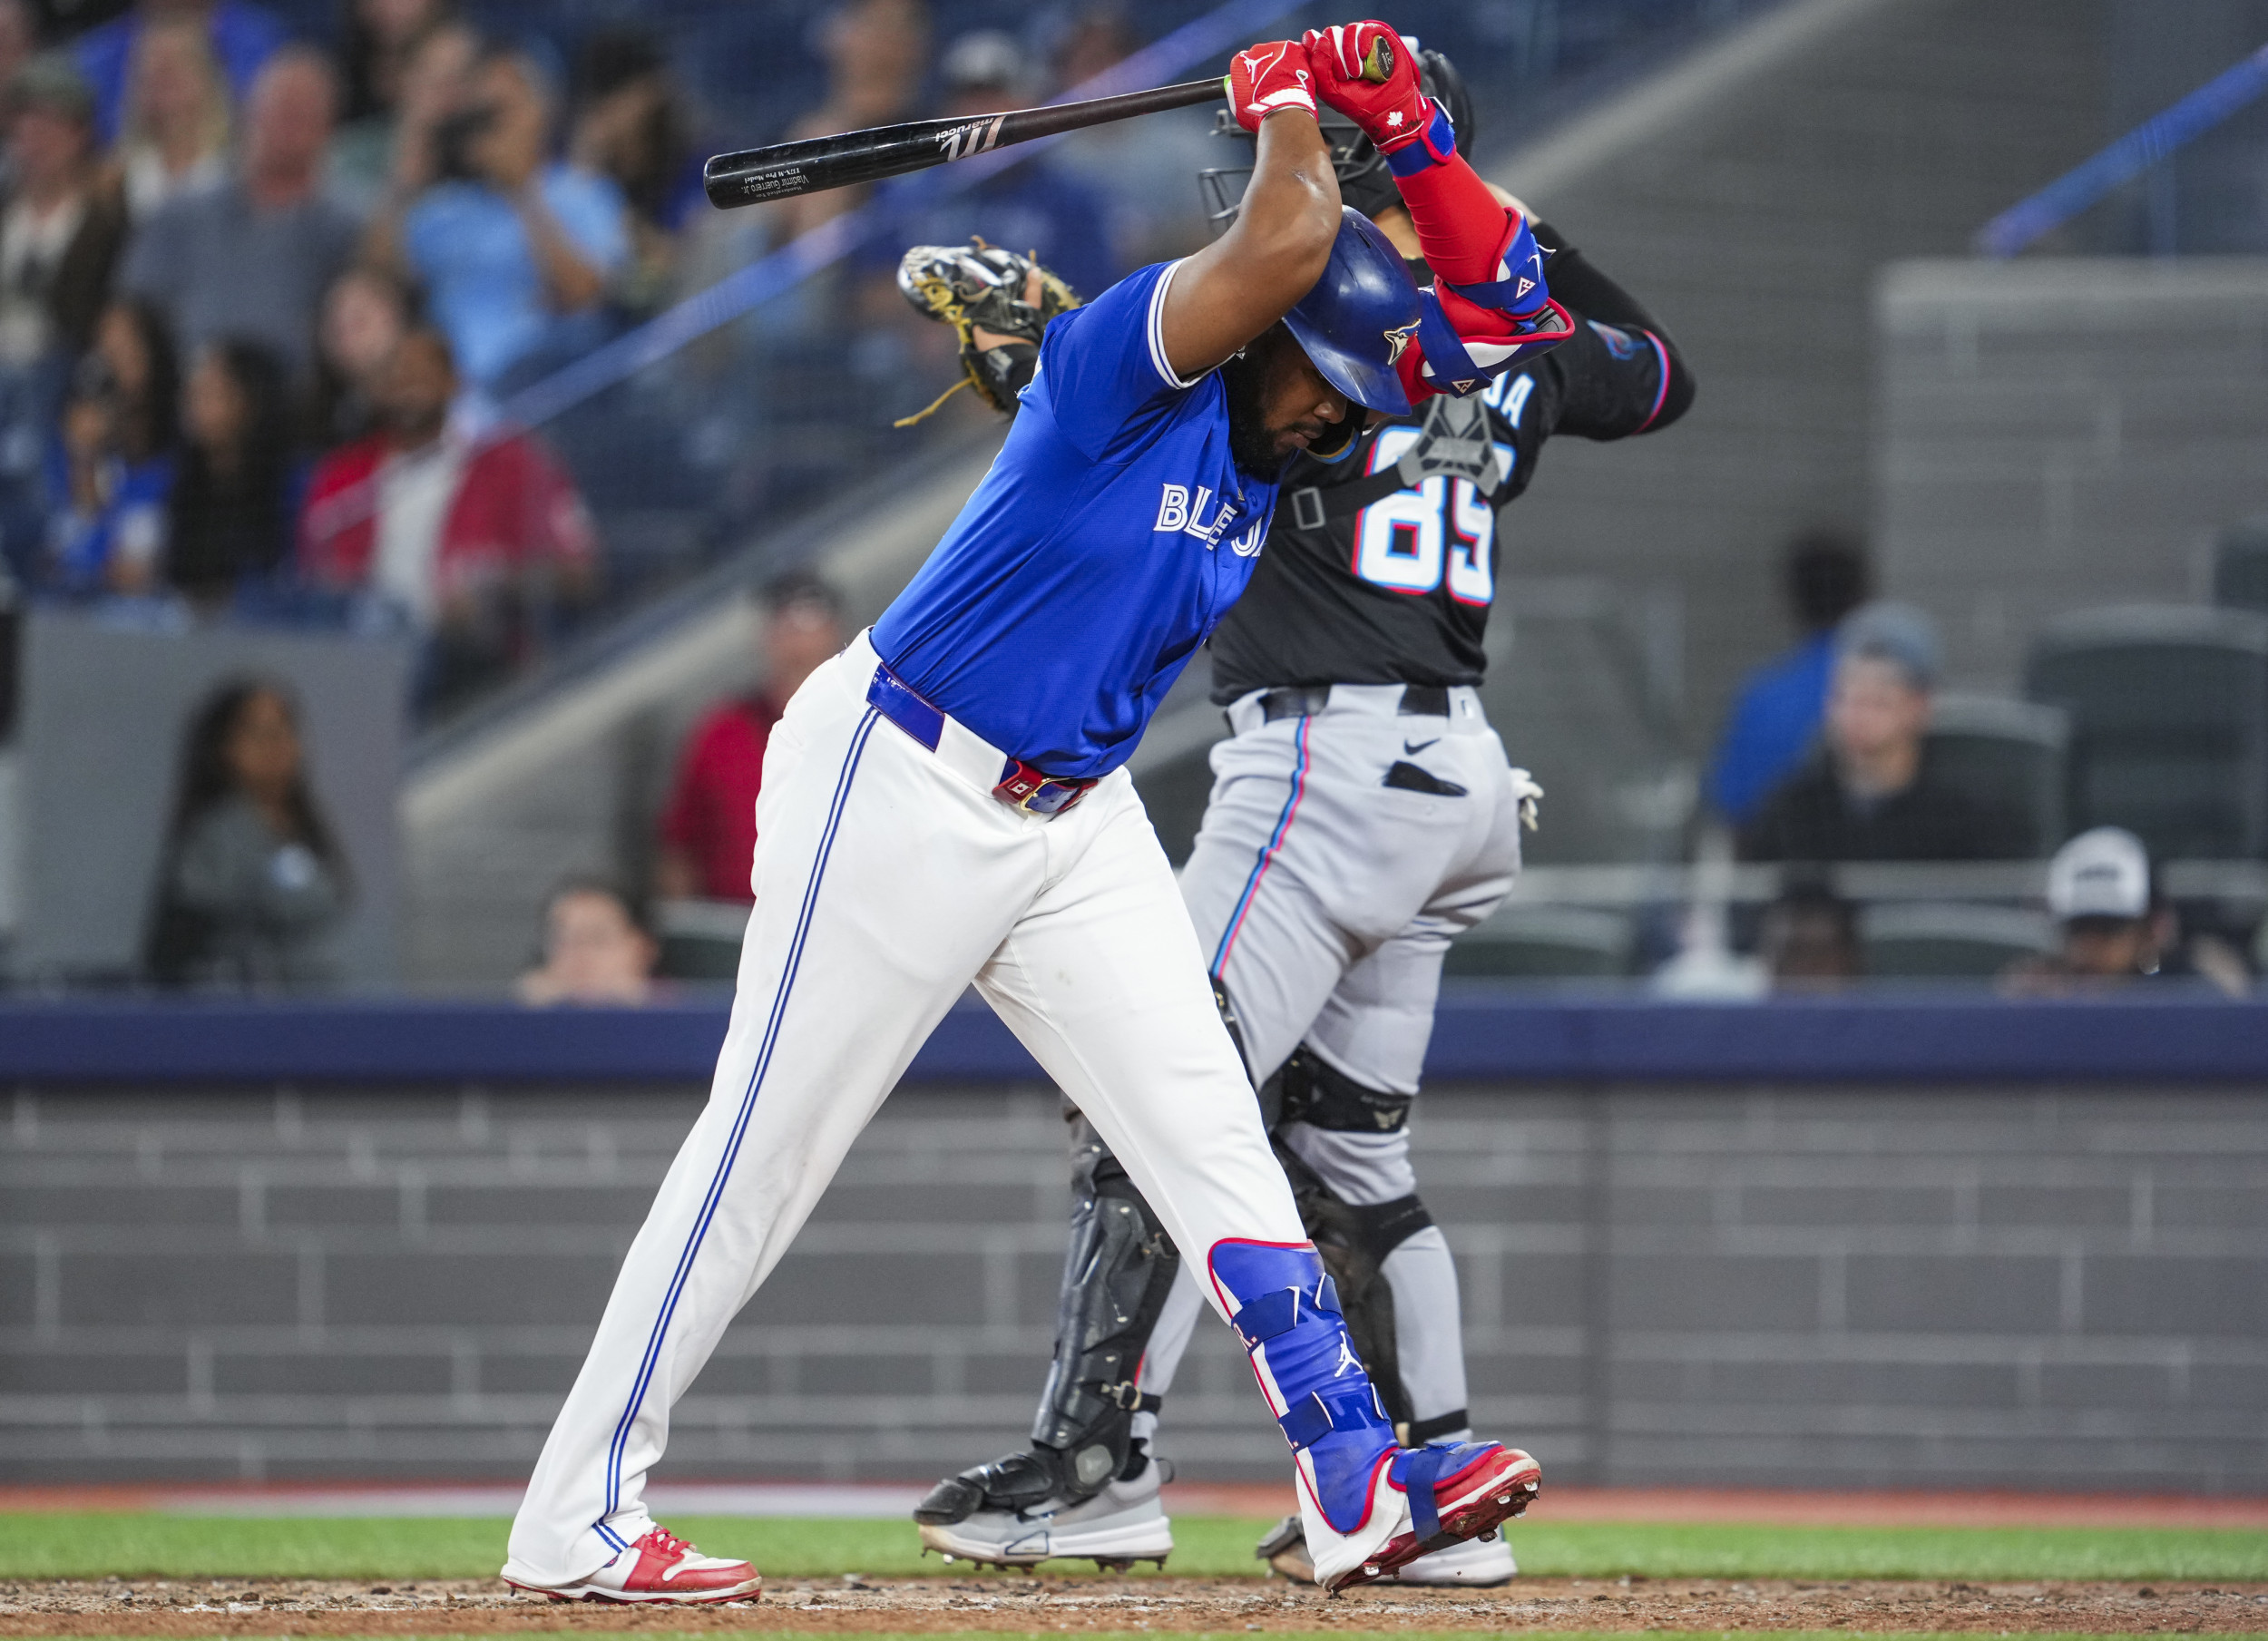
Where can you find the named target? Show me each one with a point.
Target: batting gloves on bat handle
(1269, 78)
(1370, 73)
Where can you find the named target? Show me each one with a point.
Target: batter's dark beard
(1251, 444)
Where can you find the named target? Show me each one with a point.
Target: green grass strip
(408, 1548)
(1398, 1633)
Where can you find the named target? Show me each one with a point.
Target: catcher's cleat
(1122, 1524)
(1482, 1563)
(1284, 1548)
(978, 287)
(659, 1568)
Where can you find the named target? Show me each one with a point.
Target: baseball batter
(945, 804)
(1362, 814)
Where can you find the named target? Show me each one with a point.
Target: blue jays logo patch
(1397, 340)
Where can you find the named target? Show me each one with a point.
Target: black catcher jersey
(1381, 568)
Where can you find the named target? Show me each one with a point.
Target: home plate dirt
(237, 1606)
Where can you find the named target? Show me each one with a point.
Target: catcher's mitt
(978, 287)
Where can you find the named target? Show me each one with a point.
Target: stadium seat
(700, 939)
(2169, 723)
(2240, 566)
(1547, 942)
(2006, 756)
(1928, 940)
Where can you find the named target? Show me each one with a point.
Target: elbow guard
(1459, 351)
(1519, 288)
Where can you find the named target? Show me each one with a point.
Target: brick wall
(1983, 1286)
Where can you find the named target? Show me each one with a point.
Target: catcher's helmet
(1364, 182)
(1360, 316)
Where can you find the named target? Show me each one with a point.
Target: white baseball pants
(887, 879)
(1325, 900)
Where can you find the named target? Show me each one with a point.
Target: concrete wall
(1970, 1286)
(2060, 433)
(106, 713)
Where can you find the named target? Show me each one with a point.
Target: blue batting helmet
(1360, 316)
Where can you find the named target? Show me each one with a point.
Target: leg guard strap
(1420, 1471)
(1273, 1314)
(1318, 1413)
(1325, 1097)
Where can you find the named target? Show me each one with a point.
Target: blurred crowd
(1836, 753)
(265, 301)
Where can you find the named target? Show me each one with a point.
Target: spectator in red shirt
(708, 829)
(470, 541)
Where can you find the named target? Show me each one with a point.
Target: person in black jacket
(228, 519)
(1868, 793)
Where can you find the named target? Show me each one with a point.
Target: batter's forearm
(1461, 226)
(1253, 274)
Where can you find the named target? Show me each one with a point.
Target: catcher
(1364, 813)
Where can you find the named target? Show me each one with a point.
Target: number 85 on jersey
(1442, 530)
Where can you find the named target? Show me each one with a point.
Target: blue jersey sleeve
(1102, 367)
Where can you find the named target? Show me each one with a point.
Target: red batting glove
(1391, 108)
(1269, 78)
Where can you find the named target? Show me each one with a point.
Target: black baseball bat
(785, 169)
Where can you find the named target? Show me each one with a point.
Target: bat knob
(1378, 62)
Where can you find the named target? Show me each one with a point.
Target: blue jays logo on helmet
(1359, 317)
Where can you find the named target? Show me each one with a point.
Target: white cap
(2104, 873)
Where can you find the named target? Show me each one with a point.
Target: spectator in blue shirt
(243, 37)
(1776, 718)
(516, 251)
(110, 468)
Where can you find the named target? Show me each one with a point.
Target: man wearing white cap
(2114, 928)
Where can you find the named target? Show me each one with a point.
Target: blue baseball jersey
(1108, 539)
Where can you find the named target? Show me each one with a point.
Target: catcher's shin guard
(1116, 1275)
(1355, 1239)
(1119, 1267)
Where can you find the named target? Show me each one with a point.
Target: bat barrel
(785, 169)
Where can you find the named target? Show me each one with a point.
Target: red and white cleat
(1456, 1493)
(659, 1568)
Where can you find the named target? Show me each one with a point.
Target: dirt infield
(240, 1608)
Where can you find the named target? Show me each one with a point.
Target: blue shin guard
(1287, 1315)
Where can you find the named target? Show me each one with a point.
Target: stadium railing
(2094, 178)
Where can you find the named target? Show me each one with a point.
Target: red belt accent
(1036, 790)
(1019, 784)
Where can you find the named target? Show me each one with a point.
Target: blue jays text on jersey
(1110, 536)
